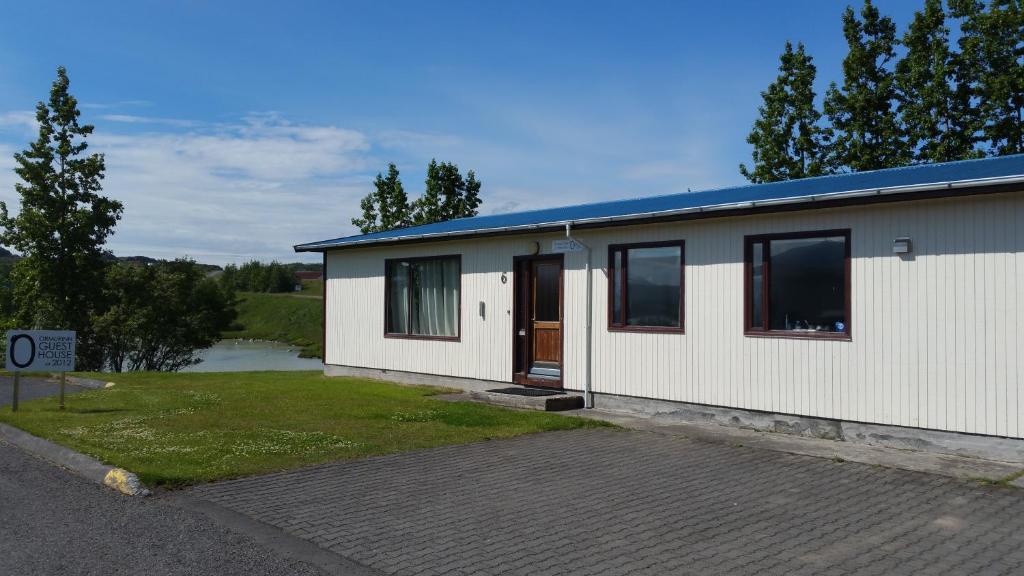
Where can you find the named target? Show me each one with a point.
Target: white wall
(936, 337)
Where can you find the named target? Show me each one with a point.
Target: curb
(272, 537)
(85, 466)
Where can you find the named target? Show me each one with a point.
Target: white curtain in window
(435, 297)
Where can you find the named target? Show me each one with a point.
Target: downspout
(588, 396)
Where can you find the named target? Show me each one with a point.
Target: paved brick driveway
(618, 502)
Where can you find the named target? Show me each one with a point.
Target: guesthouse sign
(40, 351)
(564, 246)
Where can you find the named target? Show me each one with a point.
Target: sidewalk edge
(85, 466)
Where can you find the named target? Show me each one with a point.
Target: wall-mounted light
(902, 245)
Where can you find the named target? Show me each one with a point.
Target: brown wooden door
(538, 322)
(546, 316)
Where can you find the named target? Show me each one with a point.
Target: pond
(244, 355)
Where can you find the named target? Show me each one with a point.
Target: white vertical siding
(355, 312)
(935, 336)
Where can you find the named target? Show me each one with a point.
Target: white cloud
(223, 193)
(115, 105)
(7, 177)
(233, 192)
(18, 118)
(133, 119)
(424, 144)
(694, 164)
(254, 187)
(268, 151)
(20, 123)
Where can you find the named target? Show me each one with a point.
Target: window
(799, 284)
(645, 287)
(422, 296)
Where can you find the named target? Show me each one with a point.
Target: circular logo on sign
(14, 350)
(840, 326)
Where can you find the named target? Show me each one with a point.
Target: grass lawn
(295, 318)
(178, 429)
(312, 288)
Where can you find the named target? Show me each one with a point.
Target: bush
(158, 316)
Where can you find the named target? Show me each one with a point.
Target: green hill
(294, 318)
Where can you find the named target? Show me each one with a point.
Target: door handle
(522, 332)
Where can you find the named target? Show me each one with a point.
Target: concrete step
(528, 398)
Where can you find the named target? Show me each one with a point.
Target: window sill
(422, 337)
(800, 335)
(648, 329)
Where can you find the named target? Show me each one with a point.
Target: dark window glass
(798, 283)
(807, 288)
(398, 297)
(646, 286)
(617, 289)
(545, 298)
(757, 284)
(423, 297)
(652, 286)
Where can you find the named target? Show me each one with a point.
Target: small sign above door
(563, 246)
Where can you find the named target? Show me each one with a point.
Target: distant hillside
(294, 318)
(147, 261)
(304, 266)
(8, 256)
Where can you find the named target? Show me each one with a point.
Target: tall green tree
(788, 139)
(868, 133)
(387, 207)
(61, 227)
(448, 195)
(995, 35)
(936, 90)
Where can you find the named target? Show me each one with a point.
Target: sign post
(39, 351)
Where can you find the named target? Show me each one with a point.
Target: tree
(868, 134)
(255, 276)
(280, 279)
(61, 227)
(996, 38)
(448, 195)
(387, 207)
(160, 316)
(788, 138)
(936, 86)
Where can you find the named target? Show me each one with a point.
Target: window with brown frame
(422, 297)
(798, 284)
(645, 286)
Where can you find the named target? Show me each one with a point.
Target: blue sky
(234, 130)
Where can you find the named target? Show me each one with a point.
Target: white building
(891, 297)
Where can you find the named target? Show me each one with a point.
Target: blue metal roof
(984, 171)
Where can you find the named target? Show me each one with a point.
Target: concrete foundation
(934, 441)
(668, 412)
(415, 378)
